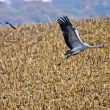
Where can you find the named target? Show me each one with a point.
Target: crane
(72, 38)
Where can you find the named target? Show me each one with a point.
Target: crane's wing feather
(71, 35)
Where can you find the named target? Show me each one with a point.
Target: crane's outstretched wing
(10, 25)
(70, 34)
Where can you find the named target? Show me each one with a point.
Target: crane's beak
(104, 46)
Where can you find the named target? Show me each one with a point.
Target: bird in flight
(72, 38)
(6, 22)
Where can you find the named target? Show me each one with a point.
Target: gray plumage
(72, 38)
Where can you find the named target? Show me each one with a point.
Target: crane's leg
(62, 61)
(67, 56)
(67, 52)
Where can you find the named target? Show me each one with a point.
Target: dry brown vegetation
(31, 80)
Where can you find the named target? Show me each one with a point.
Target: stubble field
(31, 80)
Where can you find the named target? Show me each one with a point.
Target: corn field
(31, 80)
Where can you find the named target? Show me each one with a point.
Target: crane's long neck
(97, 46)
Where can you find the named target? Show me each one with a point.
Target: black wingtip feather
(67, 19)
(64, 21)
(59, 21)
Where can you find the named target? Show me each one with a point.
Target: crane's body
(72, 38)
